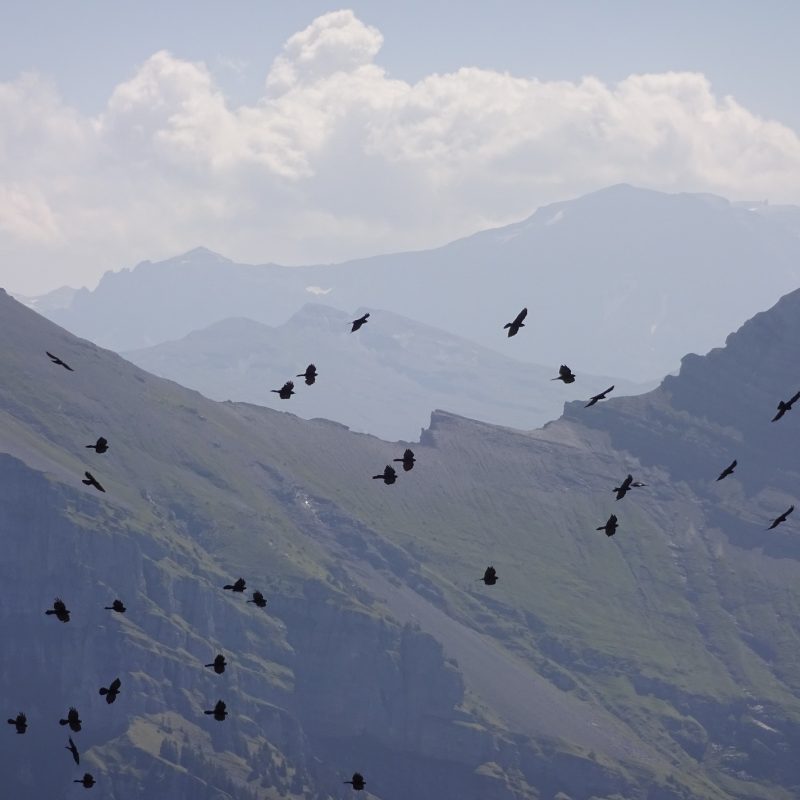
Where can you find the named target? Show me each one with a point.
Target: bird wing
(390, 471)
(521, 316)
(788, 511)
(55, 358)
(115, 685)
(408, 455)
(564, 371)
(102, 442)
(219, 708)
(795, 398)
(610, 389)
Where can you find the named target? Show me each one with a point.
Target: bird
(259, 600)
(565, 374)
(57, 360)
(219, 711)
(286, 391)
(357, 781)
(218, 664)
(73, 719)
(782, 518)
(59, 609)
(87, 780)
(728, 470)
(238, 585)
(513, 327)
(628, 483)
(20, 722)
(783, 407)
(310, 375)
(601, 396)
(117, 606)
(100, 446)
(76, 756)
(112, 691)
(407, 459)
(489, 576)
(388, 476)
(610, 527)
(90, 480)
(357, 323)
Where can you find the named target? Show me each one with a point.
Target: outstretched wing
(564, 371)
(521, 316)
(795, 398)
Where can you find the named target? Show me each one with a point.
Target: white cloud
(339, 160)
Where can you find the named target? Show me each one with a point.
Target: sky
(312, 132)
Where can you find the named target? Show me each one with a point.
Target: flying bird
(601, 396)
(20, 722)
(286, 391)
(357, 323)
(238, 585)
(73, 719)
(513, 327)
(489, 576)
(90, 480)
(782, 518)
(87, 780)
(783, 407)
(259, 600)
(407, 459)
(59, 609)
(610, 527)
(218, 664)
(112, 691)
(388, 476)
(628, 483)
(117, 606)
(565, 374)
(76, 756)
(357, 781)
(728, 470)
(57, 360)
(310, 375)
(219, 711)
(100, 446)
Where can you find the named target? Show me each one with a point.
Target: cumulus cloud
(338, 159)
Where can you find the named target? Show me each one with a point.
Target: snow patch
(556, 218)
(318, 290)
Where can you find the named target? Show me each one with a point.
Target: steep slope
(623, 281)
(385, 380)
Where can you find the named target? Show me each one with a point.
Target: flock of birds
(389, 476)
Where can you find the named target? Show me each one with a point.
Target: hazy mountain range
(621, 282)
(660, 664)
(385, 379)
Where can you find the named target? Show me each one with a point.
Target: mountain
(385, 380)
(623, 281)
(656, 665)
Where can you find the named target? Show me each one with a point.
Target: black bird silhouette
(728, 470)
(388, 476)
(100, 446)
(59, 609)
(57, 360)
(407, 459)
(73, 720)
(564, 374)
(357, 781)
(259, 600)
(117, 606)
(112, 691)
(628, 483)
(218, 664)
(219, 711)
(489, 576)
(20, 721)
(90, 480)
(238, 585)
(357, 323)
(87, 780)
(76, 756)
(601, 396)
(783, 407)
(513, 327)
(782, 518)
(310, 375)
(286, 391)
(610, 527)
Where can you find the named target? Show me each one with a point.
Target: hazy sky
(305, 132)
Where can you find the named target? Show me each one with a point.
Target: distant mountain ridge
(624, 281)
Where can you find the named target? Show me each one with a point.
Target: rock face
(660, 664)
(620, 282)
